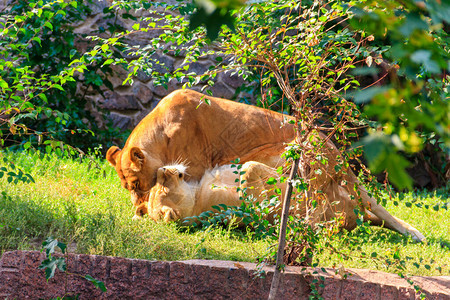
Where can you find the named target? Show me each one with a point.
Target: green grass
(86, 208)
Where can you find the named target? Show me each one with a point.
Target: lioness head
(171, 198)
(136, 169)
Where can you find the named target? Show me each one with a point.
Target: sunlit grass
(87, 208)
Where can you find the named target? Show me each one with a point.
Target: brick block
(32, 259)
(200, 282)
(101, 268)
(259, 286)
(178, 281)
(11, 259)
(140, 270)
(350, 289)
(218, 280)
(177, 271)
(120, 269)
(237, 282)
(369, 291)
(294, 286)
(406, 293)
(71, 262)
(332, 288)
(444, 296)
(315, 281)
(86, 290)
(84, 264)
(119, 281)
(388, 292)
(9, 281)
(20, 278)
(33, 281)
(159, 278)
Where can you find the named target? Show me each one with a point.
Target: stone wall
(198, 279)
(130, 103)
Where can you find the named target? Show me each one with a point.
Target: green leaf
(43, 97)
(97, 283)
(37, 39)
(108, 62)
(72, 53)
(368, 94)
(3, 84)
(382, 155)
(49, 25)
(30, 178)
(424, 57)
(50, 265)
(271, 181)
(59, 87)
(50, 244)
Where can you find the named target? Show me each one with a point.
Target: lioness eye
(180, 175)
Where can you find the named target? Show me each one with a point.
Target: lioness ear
(112, 154)
(137, 158)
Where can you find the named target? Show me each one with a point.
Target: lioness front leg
(140, 211)
(170, 214)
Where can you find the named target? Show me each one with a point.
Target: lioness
(172, 198)
(183, 127)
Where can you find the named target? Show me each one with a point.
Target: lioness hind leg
(374, 220)
(390, 221)
(254, 179)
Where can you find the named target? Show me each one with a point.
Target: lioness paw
(416, 235)
(170, 214)
(136, 217)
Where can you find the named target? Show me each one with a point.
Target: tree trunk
(282, 237)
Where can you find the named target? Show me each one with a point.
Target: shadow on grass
(387, 236)
(22, 221)
(25, 223)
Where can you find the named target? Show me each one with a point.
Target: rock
(115, 101)
(199, 67)
(143, 76)
(121, 121)
(222, 91)
(233, 81)
(162, 63)
(162, 91)
(142, 92)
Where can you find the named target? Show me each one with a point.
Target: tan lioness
(172, 198)
(184, 127)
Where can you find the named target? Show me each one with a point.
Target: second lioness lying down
(173, 198)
